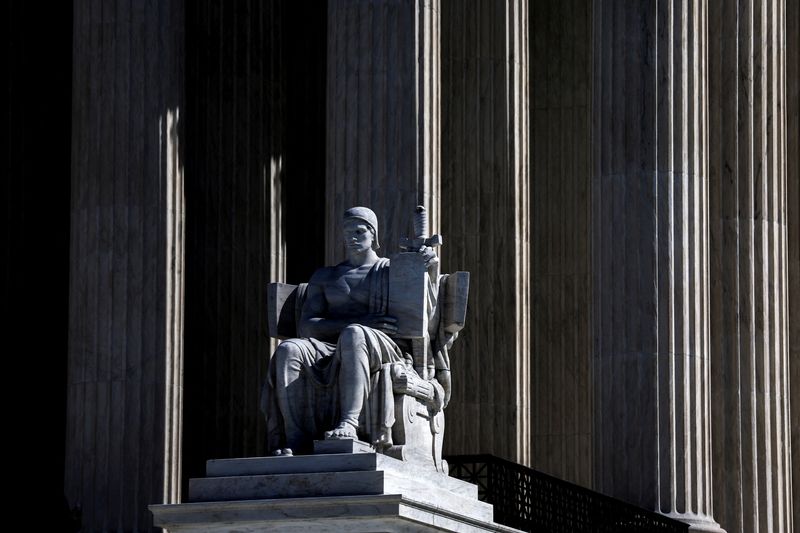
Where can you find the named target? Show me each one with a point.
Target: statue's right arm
(314, 320)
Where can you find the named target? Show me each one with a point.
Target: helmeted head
(367, 216)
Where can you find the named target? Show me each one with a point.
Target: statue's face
(358, 236)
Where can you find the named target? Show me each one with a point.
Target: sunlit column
(650, 257)
(749, 269)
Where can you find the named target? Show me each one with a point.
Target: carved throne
(418, 429)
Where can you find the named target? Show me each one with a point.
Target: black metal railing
(531, 501)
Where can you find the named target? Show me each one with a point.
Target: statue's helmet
(366, 215)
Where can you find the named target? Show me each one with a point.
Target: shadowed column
(235, 221)
(126, 257)
(486, 223)
(383, 116)
(792, 33)
(561, 335)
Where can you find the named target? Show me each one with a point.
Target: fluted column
(234, 241)
(126, 263)
(749, 331)
(561, 337)
(792, 34)
(485, 222)
(650, 258)
(383, 134)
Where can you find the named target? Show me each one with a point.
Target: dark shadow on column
(36, 265)
(255, 204)
(304, 44)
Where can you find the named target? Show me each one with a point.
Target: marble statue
(372, 335)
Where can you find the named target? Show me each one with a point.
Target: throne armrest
(455, 305)
(284, 305)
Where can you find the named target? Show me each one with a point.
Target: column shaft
(749, 335)
(235, 244)
(485, 221)
(126, 257)
(383, 139)
(650, 257)
(792, 35)
(561, 354)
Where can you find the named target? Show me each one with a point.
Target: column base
(697, 522)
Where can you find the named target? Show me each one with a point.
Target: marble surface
(384, 512)
(486, 221)
(650, 294)
(341, 446)
(124, 374)
(361, 491)
(749, 345)
(340, 462)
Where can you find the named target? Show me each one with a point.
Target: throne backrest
(284, 305)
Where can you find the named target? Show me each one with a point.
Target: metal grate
(531, 501)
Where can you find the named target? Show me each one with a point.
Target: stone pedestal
(343, 487)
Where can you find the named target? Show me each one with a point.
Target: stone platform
(344, 486)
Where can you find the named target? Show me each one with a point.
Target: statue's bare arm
(316, 322)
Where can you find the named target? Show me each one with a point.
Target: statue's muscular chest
(347, 290)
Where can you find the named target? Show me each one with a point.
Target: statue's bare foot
(282, 452)
(344, 430)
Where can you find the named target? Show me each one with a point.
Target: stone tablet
(408, 295)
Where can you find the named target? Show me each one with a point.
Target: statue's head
(365, 216)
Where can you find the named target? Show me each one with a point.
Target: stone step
(385, 512)
(339, 462)
(324, 484)
(342, 446)
(297, 464)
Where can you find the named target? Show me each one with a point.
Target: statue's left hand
(430, 256)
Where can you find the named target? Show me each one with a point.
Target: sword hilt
(421, 232)
(421, 222)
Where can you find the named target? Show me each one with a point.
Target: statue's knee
(287, 354)
(352, 335)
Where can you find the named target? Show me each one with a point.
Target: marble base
(699, 523)
(382, 512)
(356, 491)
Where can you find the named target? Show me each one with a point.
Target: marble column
(748, 271)
(486, 222)
(561, 341)
(383, 139)
(792, 33)
(650, 258)
(126, 263)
